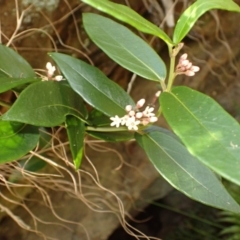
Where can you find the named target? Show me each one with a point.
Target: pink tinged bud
(157, 94)
(140, 103)
(139, 115)
(131, 113)
(195, 68)
(128, 108)
(185, 63)
(189, 73)
(189, 66)
(184, 56)
(153, 119)
(180, 68)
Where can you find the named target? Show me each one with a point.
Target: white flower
(124, 119)
(116, 121)
(132, 123)
(148, 112)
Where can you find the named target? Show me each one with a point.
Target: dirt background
(116, 180)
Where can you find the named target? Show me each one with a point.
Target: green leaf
(206, 129)
(76, 133)
(127, 15)
(184, 172)
(13, 65)
(98, 119)
(7, 83)
(93, 86)
(16, 140)
(112, 136)
(46, 104)
(196, 10)
(124, 47)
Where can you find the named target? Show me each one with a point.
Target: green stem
(5, 104)
(106, 129)
(171, 70)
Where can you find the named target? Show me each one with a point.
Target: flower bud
(184, 56)
(131, 113)
(188, 67)
(128, 108)
(58, 78)
(153, 119)
(185, 63)
(195, 68)
(189, 73)
(139, 115)
(140, 103)
(157, 94)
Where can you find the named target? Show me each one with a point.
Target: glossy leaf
(127, 15)
(207, 130)
(32, 164)
(13, 65)
(46, 104)
(76, 133)
(98, 119)
(93, 86)
(184, 172)
(195, 11)
(7, 83)
(112, 136)
(16, 140)
(124, 47)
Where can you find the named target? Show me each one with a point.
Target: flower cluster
(50, 72)
(186, 67)
(135, 117)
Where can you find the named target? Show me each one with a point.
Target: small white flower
(132, 123)
(124, 119)
(116, 121)
(148, 112)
